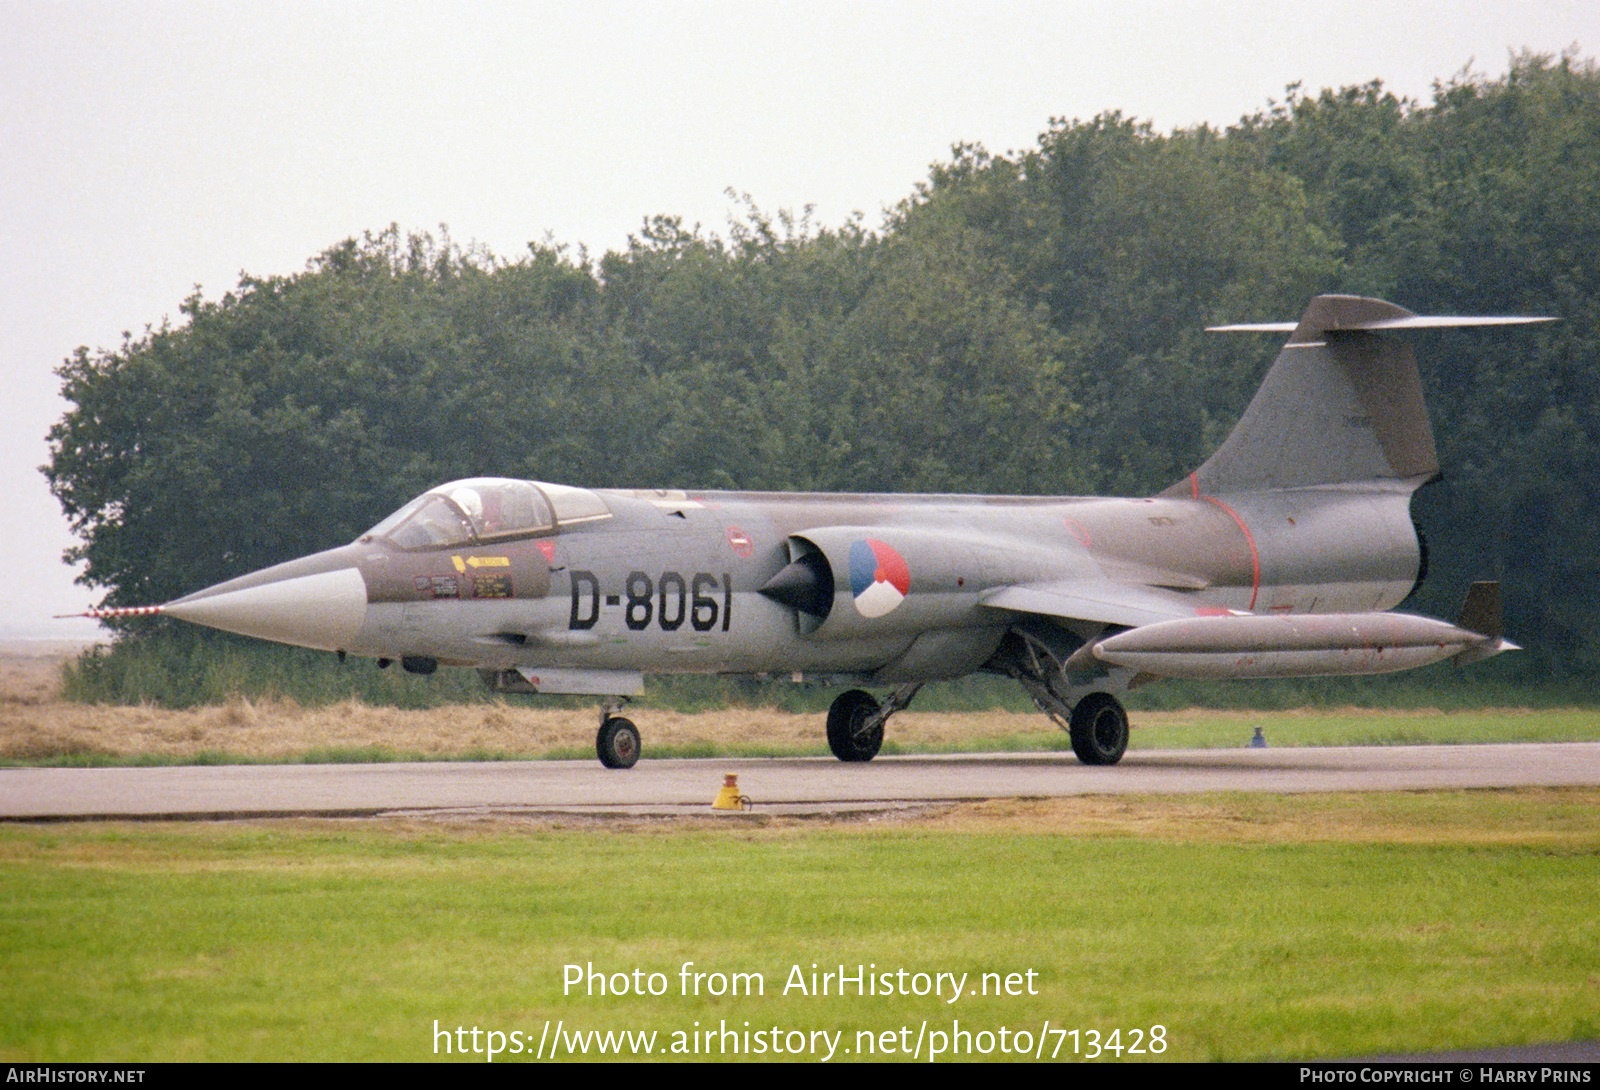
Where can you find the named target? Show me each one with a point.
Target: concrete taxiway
(783, 785)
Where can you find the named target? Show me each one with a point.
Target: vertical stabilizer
(1342, 403)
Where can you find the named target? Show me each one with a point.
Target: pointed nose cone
(806, 584)
(323, 610)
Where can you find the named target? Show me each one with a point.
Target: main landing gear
(1099, 729)
(617, 743)
(856, 719)
(1043, 664)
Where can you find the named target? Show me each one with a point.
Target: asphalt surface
(779, 786)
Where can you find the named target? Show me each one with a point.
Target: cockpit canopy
(486, 509)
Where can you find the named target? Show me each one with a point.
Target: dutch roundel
(879, 577)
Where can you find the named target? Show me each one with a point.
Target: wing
(1098, 600)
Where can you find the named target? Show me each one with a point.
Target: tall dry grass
(35, 724)
(38, 726)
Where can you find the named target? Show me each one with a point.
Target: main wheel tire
(845, 736)
(617, 745)
(1099, 730)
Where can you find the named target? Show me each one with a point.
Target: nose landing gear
(617, 743)
(856, 719)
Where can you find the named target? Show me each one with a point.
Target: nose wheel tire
(617, 745)
(848, 736)
(1099, 729)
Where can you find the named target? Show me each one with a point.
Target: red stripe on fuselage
(1255, 557)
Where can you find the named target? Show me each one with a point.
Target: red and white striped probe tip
(103, 614)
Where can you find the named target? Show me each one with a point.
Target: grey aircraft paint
(1278, 557)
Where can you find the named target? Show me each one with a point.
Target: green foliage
(1501, 683)
(1484, 203)
(1028, 323)
(182, 669)
(1297, 727)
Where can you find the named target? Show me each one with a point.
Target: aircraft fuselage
(671, 582)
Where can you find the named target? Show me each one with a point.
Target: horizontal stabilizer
(1414, 321)
(1342, 404)
(1094, 600)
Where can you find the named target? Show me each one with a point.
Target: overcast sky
(146, 149)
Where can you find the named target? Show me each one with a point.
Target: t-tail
(1342, 404)
(1319, 474)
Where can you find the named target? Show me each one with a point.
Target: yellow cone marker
(728, 798)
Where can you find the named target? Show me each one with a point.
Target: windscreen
(436, 521)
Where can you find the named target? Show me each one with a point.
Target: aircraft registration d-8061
(1279, 557)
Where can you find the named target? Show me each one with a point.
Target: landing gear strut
(1096, 722)
(856, 719)
(617, 743)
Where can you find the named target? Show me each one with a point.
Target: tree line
(1028, 322)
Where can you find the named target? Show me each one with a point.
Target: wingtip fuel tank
(1306, 645)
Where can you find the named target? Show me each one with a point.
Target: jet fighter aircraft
(1279, 557)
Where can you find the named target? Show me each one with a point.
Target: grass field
(61, 733)
(1247, 926)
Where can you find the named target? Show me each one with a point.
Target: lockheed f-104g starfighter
(1281, 556)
